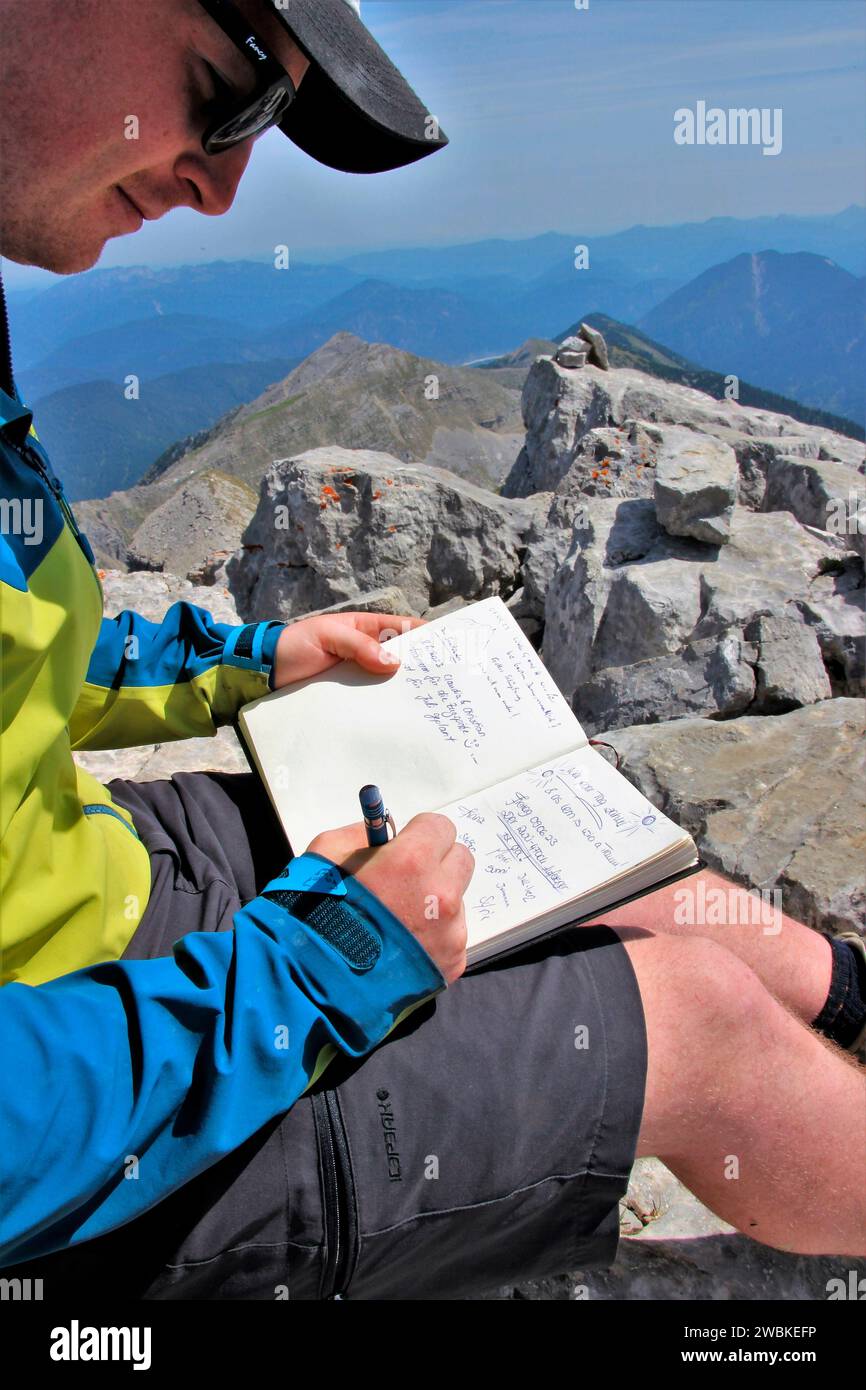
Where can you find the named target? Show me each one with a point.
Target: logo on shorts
(386, 1114)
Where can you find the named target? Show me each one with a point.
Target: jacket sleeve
(125, 1080)
(181, 678)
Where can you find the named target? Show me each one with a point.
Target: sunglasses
(252, 114)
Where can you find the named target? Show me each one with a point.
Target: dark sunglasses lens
(252, 120)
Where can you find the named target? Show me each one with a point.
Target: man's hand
(421, 875)
(312, 645)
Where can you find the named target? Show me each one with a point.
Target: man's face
(71, 76)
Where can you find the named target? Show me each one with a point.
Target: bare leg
(793, 961)
(764, 1120)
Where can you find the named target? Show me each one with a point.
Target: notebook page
(550, 834)
(470, 705)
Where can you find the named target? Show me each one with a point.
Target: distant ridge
(793, 321)
(629, 347)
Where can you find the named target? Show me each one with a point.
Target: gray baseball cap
(353, 110)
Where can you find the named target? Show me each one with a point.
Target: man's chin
(61, 260)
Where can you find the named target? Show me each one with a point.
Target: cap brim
(354, 110)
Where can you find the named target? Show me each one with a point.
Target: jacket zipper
(28, 454)
(55, 486)
(339, 1200)
(8, 379)
(95, 808)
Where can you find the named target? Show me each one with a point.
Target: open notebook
(472, 726)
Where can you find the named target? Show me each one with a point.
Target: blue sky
(562, 119)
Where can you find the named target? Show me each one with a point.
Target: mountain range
(358, 395)
(201, 340)
(351, 393)
(795, 323)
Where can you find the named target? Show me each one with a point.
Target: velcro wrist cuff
(252, 646)
(313, 890)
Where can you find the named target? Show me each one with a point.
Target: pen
(376, 818)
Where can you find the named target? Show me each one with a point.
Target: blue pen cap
(372, 803)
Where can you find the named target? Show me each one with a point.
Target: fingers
(364, 643)
(434, 834)
(460, 861)
(381, 625)
(359, 637)
(344, 840)
(348, 643)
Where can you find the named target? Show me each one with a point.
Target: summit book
(472, 726)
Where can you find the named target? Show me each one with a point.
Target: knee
(695, 993)
(703, 1008)
(713, 980)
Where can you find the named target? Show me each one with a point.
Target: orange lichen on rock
(377, 494)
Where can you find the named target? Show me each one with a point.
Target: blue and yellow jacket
(100, 1056)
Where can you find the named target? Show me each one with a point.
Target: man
(229, 1077)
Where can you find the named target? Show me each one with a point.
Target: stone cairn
(587, 346)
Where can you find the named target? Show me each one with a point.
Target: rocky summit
(333, 523)
(691, 571)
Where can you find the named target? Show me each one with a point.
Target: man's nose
(214, 179)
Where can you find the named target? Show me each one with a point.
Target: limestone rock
(756, 456)
(710, 677)
(332, 524)
(789, 667)
(826, 495)
(664, 1208)
(567, 525)
(774, 803)
(207, 515)
(388, 600)
(627, 592)
(571, 353)
(696, 480)
(603, 610)
(151, 594)
(560, 407)
(598, 355)
(607, 463)
(154, 762)
(833, 605)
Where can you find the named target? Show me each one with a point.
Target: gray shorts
(486, 1141)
